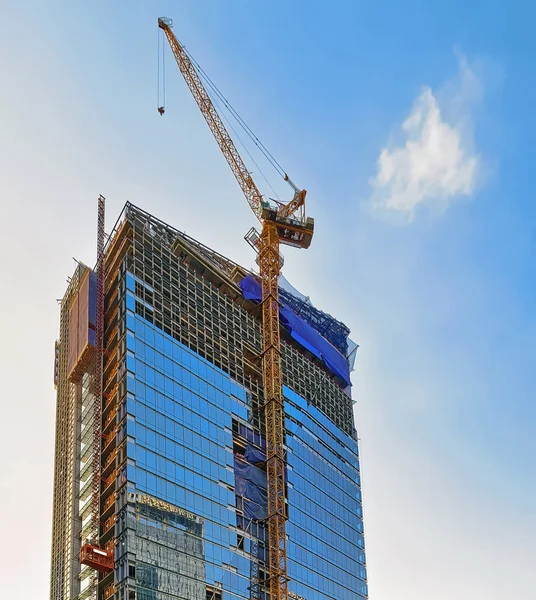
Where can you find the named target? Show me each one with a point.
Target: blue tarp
(255, 494)
(250, 483)
(251, 288)
(250, 472)
(254, 511)
(250, 491)
(302, 332)
(93, 298)
(254, 455)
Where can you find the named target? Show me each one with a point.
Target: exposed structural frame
(92, 554)
(66, 521)
(238, 354)
(78, 556)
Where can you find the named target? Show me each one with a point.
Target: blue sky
(428, 260)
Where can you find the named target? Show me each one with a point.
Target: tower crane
(281, 224)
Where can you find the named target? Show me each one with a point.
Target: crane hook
(161, 110)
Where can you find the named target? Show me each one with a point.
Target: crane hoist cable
(220, 100)
(269, 156)
(217, 97)
(246, 150)
(161, 77)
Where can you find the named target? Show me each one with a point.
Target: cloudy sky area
(436, 162)
(412, 128)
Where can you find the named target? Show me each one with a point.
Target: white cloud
(436, 161)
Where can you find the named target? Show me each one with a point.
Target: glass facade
(180, 529)
(325, 525)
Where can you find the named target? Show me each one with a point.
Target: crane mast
(284, 224)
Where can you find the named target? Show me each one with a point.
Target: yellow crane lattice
(281, 224)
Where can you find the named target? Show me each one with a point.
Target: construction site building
(182, 504)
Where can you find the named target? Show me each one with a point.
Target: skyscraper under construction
(160, 487)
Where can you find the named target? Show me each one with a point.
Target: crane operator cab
(291, 232)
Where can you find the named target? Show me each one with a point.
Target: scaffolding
(196, 299)
(64, 574)
(334, 331)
